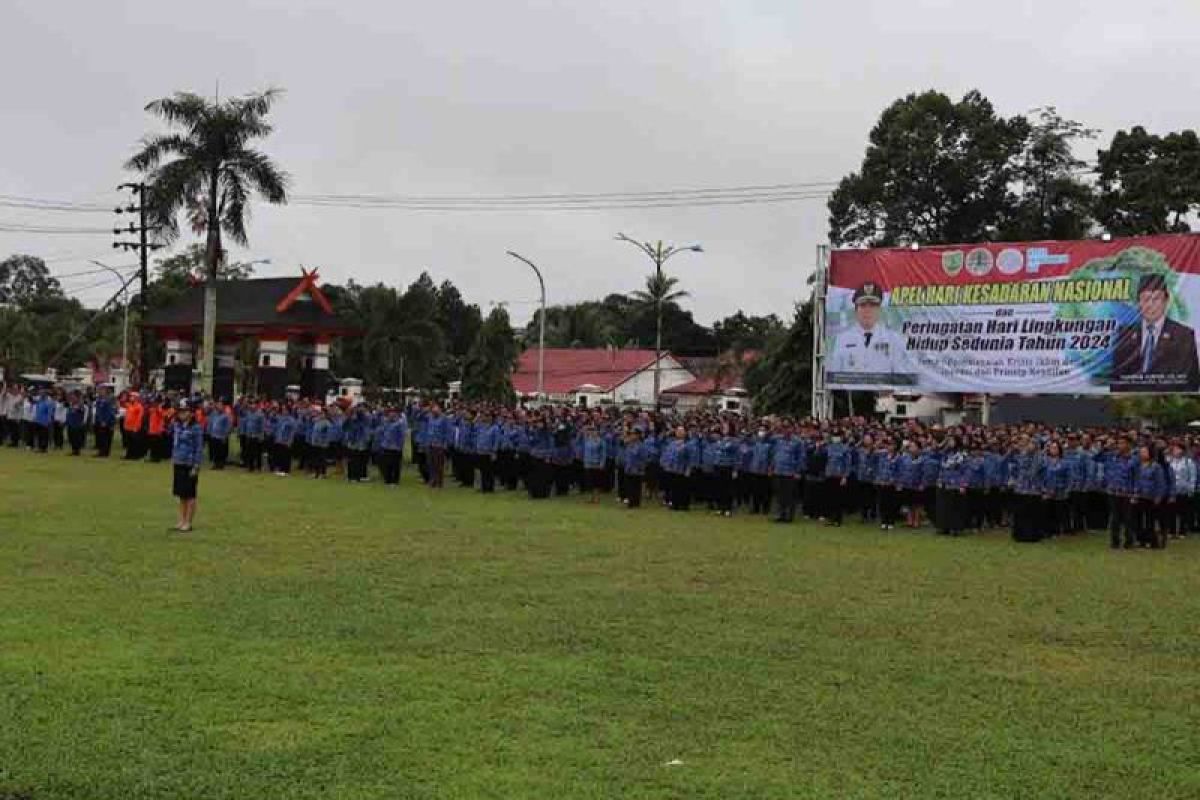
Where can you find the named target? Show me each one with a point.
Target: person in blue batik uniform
(1148, 492)
(187, 451)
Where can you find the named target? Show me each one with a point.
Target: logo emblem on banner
(952, 262)
(979, 262)
(1010, 261)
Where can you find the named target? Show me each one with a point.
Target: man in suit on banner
(1155, 354)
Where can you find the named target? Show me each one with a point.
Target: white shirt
(879, 351)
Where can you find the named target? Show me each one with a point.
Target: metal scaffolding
(822, 399)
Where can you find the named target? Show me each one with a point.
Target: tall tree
(935, 171)
(780, 382)
(460, 321)
(1052, 201)
(1148, 184)
(208, 162)
(739, 332)
(25, 280)
(400, 333)
(487, 371)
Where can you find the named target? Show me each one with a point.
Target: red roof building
(721, 384)
(598, 375)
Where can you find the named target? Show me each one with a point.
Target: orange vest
(133, 416)
(158, 420)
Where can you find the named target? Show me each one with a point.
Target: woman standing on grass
(186, 453)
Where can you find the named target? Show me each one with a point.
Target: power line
(52, 205)
(22, 227)
(730, 200)
(568, 196)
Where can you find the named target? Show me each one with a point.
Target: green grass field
(320, 640)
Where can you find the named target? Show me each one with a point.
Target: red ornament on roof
(307, 285)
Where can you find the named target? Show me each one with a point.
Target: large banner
(1086, 317)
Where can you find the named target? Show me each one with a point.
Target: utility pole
(143, 247)
(125, 325)
(658, 253)
(541, 384)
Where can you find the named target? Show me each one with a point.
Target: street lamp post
(659, 254)
(541, 384)
(125, 326)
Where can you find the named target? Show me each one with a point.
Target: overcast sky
(499, 98)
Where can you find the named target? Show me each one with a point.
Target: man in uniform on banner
(1156, 353)
(868, 349)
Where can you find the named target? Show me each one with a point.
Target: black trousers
(1057, 516)
(104, 436)
(10, 431)
(219, 451)
(653, 479)
(76, 437)
(1027, 518)
(422, 459)
(1146, 514)
(815, 501)
(976, 509)
(356, 465)
(632, 489)
(156, 445)
(949, 511)
(538, 478)
(41, 437)
(252, 457)
(318, 460)
(487, 473)
(283, 457)
(868, 500)
(889, 504)
(760, 493)
(135, 447)
(784, 487)
(389, 466)
(506, 469)
(722, 488)
(836, 495)
(563, 474)
(680, 491)
(58, 431)
(1176, 511)
(1120, 524)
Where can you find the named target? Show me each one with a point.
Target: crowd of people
(1036, 480)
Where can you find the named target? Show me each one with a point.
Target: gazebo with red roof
(277, 312)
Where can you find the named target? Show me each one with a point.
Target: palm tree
(208, 169)
(659, 289)
(397, 334)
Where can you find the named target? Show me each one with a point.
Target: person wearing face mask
(785, 471)
(884, 476)
(723, 467)
(839, 464)
(677, 465)
(758, 471)
(1027, 480)
(1149, 489)
(866, 461)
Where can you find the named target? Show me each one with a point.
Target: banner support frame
(822, 401)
